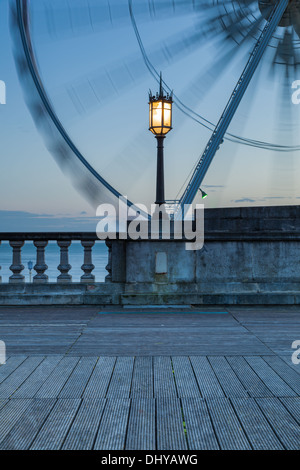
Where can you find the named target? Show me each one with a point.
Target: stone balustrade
(64, 241)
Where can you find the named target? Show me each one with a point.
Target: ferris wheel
(268, 31)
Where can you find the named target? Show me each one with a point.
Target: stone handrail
(64, 241)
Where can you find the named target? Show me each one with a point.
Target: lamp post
(30, 266)
(160, 123)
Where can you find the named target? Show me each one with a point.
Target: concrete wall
(251, 255)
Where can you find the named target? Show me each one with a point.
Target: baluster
(17, 266)
(108, 267)
(41, 265)
(87, 266)
(64, 266)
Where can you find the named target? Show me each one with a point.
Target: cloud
(21, 221)
(245, 199)
(213, 186)
(260, 199)
(276, 197)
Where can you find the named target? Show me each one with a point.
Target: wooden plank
(285, 372)
(76, 383)
(82, 433)
(52, 434)
(113, 425)
(35, 381)
(169, 424)
(199, 429)
(27, 427)
(276, 331)
(10, 414)
(142, 380)
(281, 421)
(3, 403)
(252, 383)
(185, 380)
(227, 378)
(11, 364)
(293, 406)
(206, 378)
(98, 384)
(120, 384)
(226, 424)
(272, 380)
(141, 426)
(255, 425)
(288, 361)
(16, 378)
(164, 383)
(55, 382)
(119, 335)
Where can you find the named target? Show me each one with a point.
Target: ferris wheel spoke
(284, 166)
(200, 119)
(285, 117)
(296, 19)
(286, 54)
(287, 58)
(64, 19)
(97, 87)
(239, 25)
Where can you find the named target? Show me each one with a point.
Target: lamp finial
(161, 90)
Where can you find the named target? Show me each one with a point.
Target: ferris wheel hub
(288, 18)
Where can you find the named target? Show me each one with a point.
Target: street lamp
(30, 266)
(160, 123)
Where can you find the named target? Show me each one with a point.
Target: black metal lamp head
(160, 112)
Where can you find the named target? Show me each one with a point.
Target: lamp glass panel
(167, 116)
(157, 113)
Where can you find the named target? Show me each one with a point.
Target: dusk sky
(111, 126)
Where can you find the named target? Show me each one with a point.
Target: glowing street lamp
(160, 123)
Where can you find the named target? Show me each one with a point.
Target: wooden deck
(78, 378)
